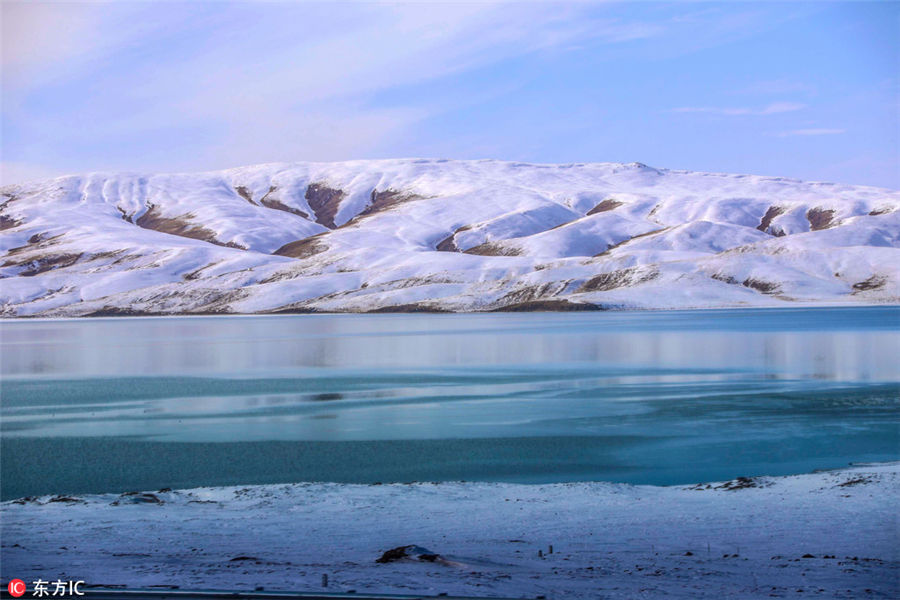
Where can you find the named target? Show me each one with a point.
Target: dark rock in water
(412, 552)
(240, 558)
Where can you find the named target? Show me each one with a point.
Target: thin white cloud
(812, 131)
(772, 108)
(44, 42)
(292, 81)
(36, 34)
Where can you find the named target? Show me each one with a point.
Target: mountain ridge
(442, 235)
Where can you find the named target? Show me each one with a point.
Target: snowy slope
(440, 235)
(822, 535)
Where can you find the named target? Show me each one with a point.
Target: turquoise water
(643, 397)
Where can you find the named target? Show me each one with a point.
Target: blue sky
(790, 89)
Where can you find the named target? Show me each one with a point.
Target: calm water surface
(644, 397)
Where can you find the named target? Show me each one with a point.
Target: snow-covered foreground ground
(409, 235)
(822, 535)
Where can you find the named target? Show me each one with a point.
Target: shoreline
(793, 305)
(823, 534)
(128, 464)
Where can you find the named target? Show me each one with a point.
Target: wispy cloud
(773, 108)
(812, 131)
(264, 82)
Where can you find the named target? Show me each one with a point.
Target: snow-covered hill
(440, 235)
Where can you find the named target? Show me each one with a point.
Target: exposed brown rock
(766, 287)
(324, 202)
(35, 242)
(612, 247)
(245, 194)
(127, 258)
(180, 226)
(724, 278)
(196, 273)
(8, 222)
(295, 310)
(493, 249)
(409, 282)
(43, 263)
(416, 307)
(119, 311)
(872, 283)
(819, 218)
(606, 205)
(125, 216)
(448, 244)
(880, 211)
(387, 199)
(616, 279)
(106, 254)
(303, 248)
(9, 198)
(548, 306)
(282, 275)
(533, 292)
(278, 205)
(771, 213)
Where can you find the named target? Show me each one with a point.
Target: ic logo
(16, 588)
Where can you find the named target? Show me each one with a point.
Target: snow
(72, 245)
(828, 534)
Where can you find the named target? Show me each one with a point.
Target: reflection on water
(841, 344)
(645, 397)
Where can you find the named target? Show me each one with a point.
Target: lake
(656, 397)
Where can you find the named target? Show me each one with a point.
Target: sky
(802, 90)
